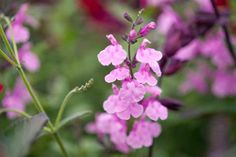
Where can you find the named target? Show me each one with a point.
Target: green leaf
(23, 134)
(72, 118)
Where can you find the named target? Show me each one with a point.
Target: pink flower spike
(117, 74)
(147, 28)
(156, 110)
(113, 54)
(144, 75)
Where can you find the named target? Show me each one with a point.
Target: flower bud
(127, 17)
(171, 104)
(147, 28)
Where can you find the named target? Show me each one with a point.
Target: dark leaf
(23, 134)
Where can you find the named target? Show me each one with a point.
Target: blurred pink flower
(156, 110)
(189, 51)
(145, 30)
(28, 58)
(154, 3)
(18, 98)
(19, 31)
(107, 124)
(167, 19)
(204, 5)
(143, 133)
(113, 54)
(223, 83)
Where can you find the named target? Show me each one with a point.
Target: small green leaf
(23, 134)
(72, 118)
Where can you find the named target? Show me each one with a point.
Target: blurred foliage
(68, 44)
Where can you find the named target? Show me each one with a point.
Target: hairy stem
(67, 98)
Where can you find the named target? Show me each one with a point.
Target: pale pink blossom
(155, 110)
(120, 73)
(29, 59)
(143, 133)
(149, 56)
(133, 109)
(113, 54)
(144, 75)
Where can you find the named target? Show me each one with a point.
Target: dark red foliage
(1, 88)
(98, 13)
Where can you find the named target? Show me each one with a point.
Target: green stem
(13, 39)
(36, 101)
(4, 110)
(61, 145)
(67, 98)
(8, 59)
(130, 60)
(6, 42)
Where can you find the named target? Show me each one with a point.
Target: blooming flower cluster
(216, 79)
(135, 94)
(19, 97)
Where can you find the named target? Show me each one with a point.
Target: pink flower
(132, 35)
(125, 102)
(21, 34)
(113, 54)
(149, 56)
(154, 90)
(197, 79)
(144, 75)
(189, 51)
(155, 3)
(11, 101)
(167, 19)
(107, 124)
(119, 73)
(147, 29)
(205, 5)
(223, 83)
(156, 110)
(132, 92)
(28, 58)
(143, 133)
(134, 109)
(115, 104)
(214, 48)
(16, 99)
